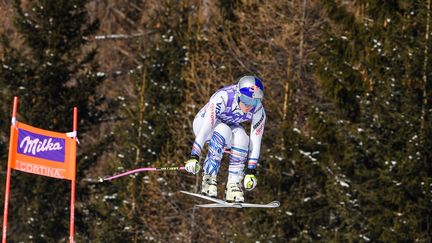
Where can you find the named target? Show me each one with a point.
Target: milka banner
(43, 152)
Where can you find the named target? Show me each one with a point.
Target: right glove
(250, 181)
(192, 164)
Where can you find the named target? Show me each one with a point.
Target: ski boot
(209, 186)
(234, 192)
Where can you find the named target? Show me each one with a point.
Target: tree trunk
(301, 44)
(425, 65)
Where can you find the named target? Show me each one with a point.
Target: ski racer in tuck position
(219, 123)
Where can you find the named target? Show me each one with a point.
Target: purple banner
(40, 146)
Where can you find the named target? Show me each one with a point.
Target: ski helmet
(250, 90)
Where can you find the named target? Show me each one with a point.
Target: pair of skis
(218, 203)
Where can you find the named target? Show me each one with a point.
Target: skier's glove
(192, 164)
(250, 181)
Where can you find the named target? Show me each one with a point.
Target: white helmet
(250, 90)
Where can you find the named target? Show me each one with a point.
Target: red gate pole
(72, 203)
(7, 192)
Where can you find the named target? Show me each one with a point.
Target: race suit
(219, 122)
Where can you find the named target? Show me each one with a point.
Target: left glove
(192, 164)
(250, 181)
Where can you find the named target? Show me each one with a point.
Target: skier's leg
(238, 157)
(197, 124)
(220, 138)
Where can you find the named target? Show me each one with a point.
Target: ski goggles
(248, 101)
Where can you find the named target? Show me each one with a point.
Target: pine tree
(371, 72)
(52, 72)
(141, 207)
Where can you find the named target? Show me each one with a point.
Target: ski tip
(275, 204)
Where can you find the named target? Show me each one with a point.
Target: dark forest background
(347, 146)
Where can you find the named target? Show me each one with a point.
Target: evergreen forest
(347, 146)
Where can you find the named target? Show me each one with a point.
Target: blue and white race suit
(219, 122)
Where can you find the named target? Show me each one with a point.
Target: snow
(106, 197)
(296, 130)
(308, 154)
(344, 184)
(169, 39)
(397, 183)
(364, 237)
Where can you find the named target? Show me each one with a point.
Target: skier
(219, 122)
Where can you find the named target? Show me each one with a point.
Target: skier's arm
(215, 106)
(212, 109)
(257, 130)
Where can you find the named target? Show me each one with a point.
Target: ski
(218, 203)
(273, 204)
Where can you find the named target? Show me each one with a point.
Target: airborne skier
(219, 122)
